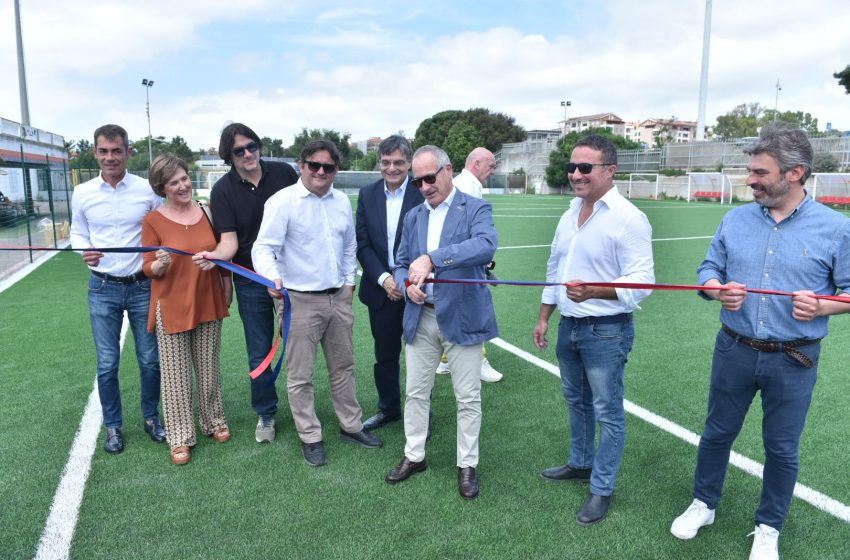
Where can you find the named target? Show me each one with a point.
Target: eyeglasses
(239, 152)
(314, 166)
(584, 168)
(396, 162)
(430, 179)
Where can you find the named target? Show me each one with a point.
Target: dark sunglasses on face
(430, 179)
(252, 147)
(585, 168)
(314, 166)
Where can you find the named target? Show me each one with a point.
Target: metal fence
(35, 211)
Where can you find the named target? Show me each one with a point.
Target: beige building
(671, 131)
(601, 120)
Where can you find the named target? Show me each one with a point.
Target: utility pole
(776, 103)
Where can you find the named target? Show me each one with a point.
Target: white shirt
(107, 216)
(436, 221)
(306, 241)
(469, 184)
(394, 203)
(613, 245)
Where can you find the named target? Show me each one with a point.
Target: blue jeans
(592, 360)
(107, 303)
(737, 373)
(256, 309)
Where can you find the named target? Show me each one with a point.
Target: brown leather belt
(429, 305)
(789, 347)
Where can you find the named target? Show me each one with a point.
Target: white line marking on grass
(22, 273)
(813, 497)
(55, 542)
(654, 240)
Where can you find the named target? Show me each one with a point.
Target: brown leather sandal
(221, 434)
(181, 455)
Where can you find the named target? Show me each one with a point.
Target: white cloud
(372, 72)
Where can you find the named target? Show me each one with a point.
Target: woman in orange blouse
(187, 306)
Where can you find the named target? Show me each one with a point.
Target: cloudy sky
(384, 67)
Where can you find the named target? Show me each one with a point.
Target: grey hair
(788, 144)
(442, 157)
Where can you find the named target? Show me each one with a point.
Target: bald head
(482, 163)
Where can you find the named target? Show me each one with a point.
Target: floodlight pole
(703, 79)
(148, 85)
(22, 73)
(565, 104)
(776, 103)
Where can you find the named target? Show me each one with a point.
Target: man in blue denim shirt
(601, 238)
(783, 241)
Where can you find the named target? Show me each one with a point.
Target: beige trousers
(422, 356)
(326, 319)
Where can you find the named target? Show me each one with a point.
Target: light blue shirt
(394, 203)
(808, 250)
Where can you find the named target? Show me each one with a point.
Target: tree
(341, 141)
(843, 78)
(740, 122)
(272, 147)
(83, 157)
(747, 118)
(825, 162)
(799, 118)
(556, 171)
(493, 129)
(461, 139)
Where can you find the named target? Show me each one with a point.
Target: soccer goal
(709, 186)
(643, 185)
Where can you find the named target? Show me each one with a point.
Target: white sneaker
(696, 516)
(443, 368)
(765, 543)
(265, 431)
(489, 374)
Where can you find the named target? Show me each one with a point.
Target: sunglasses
(239, 152)
(584, 168)
(314, 166)
(430, 179)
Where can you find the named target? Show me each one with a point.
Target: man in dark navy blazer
(381, 207)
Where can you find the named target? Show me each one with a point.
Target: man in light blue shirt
(783, 241)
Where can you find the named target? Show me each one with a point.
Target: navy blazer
(371, 229)
(468, 241)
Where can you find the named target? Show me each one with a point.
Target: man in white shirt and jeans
(480, 166)
(601, 238)
(307, 244)
(107, 212)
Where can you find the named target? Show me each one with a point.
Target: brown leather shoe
(467, 482)
(181, 455)
(221, 434)
(405, 470)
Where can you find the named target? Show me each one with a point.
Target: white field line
(754, 468)
(55, 542)
(24, 272)
(654, 240)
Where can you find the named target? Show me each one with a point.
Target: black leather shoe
(405, 470)
(155, 430)
(379, 420)
(114, 441)
(467, 482)
(564, 473)
(314, 453)
(363, 438)
(594, 510)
